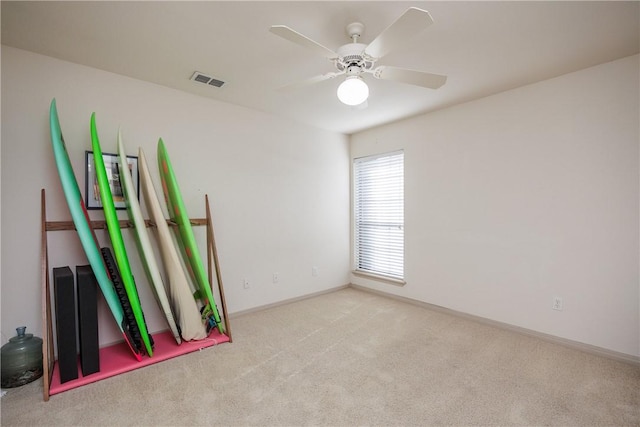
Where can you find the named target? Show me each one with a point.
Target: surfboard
(81, 221)
(178, 213)
(142, 239)
(115, 234)
(184, 306)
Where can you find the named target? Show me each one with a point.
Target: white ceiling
(483, 48)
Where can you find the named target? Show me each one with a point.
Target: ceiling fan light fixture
(353, 91)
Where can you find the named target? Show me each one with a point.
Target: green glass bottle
(21, 359)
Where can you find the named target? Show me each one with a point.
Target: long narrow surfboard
(85, 232)
(142, 239)
(178, 213)
(117, 242)
(184, 306)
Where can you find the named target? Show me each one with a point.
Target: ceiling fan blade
(302, 40)
(307, 82)
(412, 77)
(409, 24)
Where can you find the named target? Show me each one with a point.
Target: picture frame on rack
(112, 165)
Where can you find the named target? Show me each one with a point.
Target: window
(379, 215)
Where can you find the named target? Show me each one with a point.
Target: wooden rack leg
(212, 251)
(47, 328)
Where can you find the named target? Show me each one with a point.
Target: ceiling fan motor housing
(351, 58)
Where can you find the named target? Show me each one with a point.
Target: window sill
(380, 277)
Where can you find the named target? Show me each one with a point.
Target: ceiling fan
(355, 59)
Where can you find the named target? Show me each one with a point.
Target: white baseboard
(286, 301)
(588, 348)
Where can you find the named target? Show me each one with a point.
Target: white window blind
(379, 214)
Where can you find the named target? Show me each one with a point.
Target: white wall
(526, 195)
(279, 191)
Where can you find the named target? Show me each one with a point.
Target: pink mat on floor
(117, 359)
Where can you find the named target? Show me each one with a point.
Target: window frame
(385, 276)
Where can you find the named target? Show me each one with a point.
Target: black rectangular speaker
(65, 305)
(87, 290)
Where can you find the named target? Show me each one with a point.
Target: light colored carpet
(353, 358)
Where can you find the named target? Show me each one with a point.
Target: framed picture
(112, 165)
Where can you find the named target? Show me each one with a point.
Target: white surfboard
(142, 239)
(184, 305)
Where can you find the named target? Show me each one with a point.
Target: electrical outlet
(246, 284)
(557, 303)
(314, 271)
(275, 277)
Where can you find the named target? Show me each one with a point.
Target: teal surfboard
(82, 224)
(145, 249)
(178, 214)
(116, 237)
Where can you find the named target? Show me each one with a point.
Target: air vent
(203, 78)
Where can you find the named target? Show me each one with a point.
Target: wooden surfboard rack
(119, 361)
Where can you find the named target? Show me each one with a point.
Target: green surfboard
(116, 237)
(178, 213)
(81, 221)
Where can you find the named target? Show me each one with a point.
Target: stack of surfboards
(190, 313)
